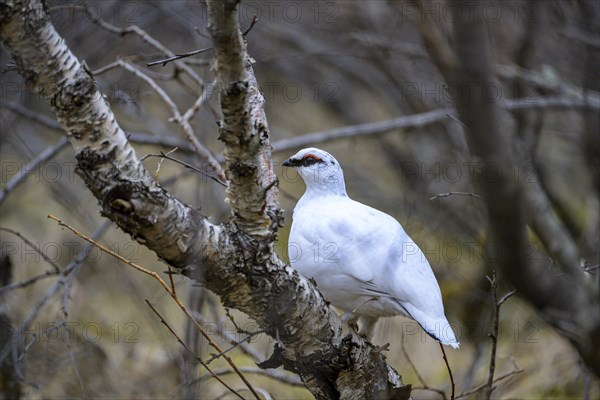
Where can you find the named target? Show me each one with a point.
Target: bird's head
(319, 170)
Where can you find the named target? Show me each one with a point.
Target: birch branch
(306, 328)
(237, 258)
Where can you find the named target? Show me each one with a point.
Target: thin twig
(449, 371)
(493, 335)
(484, 385)
(408, 121)
(70, 269)
(171, 280)
(424, 385)
(249, 28)
(157, 173)
(148, 39)
(202, 99)
(552, 102)
(430, 389)
(34, 247)
(586, 38)
(175, 57)
(203, 152)
(271, 373)
(137, 137)
(457, 120)
(233, 346)
(185, 346)
(163, 141)
(107, 67)
(19, 177)
(591, 269)
(237, 327)
(163, 156)
(265, 394)
(437, 196)
(506, 297)
(225, 334)
(421, 120)
(419, 377)
(195, 301)
(173, 295)
(32, 115)
(496, 304)
(30, 281)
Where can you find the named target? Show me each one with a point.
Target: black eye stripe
(307, 160)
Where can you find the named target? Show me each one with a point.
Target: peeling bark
(252, 193)
(237, 258)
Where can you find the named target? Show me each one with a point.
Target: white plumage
(361, 259)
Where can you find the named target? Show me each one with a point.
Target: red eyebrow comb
(311, 155)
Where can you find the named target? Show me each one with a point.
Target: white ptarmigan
(361, 259)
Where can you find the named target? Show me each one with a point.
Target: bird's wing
(364, 238)
(380, 255)
(370, 254)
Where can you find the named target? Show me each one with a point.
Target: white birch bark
(236, 259)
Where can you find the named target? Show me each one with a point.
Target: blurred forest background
(321, 65)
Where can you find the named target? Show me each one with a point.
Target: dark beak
(287, 163)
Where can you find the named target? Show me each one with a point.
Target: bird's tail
(438, 328)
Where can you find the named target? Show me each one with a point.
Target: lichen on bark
(236, 260)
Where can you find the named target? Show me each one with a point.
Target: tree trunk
(236, 258)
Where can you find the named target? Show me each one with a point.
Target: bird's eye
(310, 159)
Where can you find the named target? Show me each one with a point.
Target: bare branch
(436, 42)
(591, 269)
(567, 302)
(372, 128)
(106, 161)
(35, 248)
(552, 102)
(134, 29)
(164, 156)
(203, 99)
(233, 346)
(448, 194)
(271, 373)
(420, 121)
(27, 282)
(232, 339)
(452, 386)
(165, 61)
(64, 275)
(41, 158)
(185, 346)
(164, 285)
(256, 215)
(27, 113)
(584, 37)
(249, 28)
(496, 304)
(237, 258)
(202, 151)
(424, 386)
(244, 128)
(547, 80)
(482, 386)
